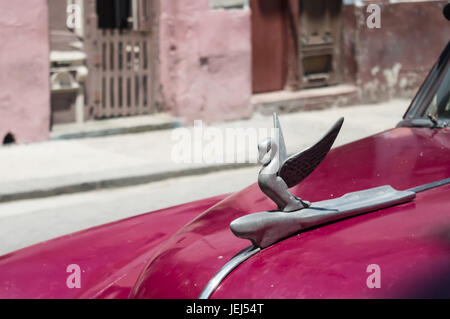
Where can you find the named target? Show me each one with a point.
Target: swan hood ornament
(280, 173)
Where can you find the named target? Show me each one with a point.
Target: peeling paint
(389, 62)
(403, 83)
(370, 90)
(375, 70)
(391, 75)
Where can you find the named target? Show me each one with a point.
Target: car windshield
(439, 107)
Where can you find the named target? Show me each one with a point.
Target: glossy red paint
(402, 158)
(111, 256)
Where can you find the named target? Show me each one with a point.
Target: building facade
(222, 59)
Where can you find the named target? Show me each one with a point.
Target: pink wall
(205, 58)
(394, 60)
(24, 70)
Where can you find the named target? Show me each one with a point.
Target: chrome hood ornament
(280, 173)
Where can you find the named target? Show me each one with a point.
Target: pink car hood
(143, 253)
(402, 158)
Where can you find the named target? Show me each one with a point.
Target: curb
(116, 131)
(109, 183)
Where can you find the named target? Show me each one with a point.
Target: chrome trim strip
(226, 270)
(428, 186)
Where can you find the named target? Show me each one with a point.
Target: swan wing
(297, 167)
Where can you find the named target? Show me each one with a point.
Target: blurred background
(91, 91)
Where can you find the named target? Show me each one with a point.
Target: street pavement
(26, 222)
(144, 168)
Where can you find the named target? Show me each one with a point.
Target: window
(114, 14)
(124, 14)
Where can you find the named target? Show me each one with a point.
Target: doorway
(121, 46)
(295, 44)
(319, 31)
(268, 41)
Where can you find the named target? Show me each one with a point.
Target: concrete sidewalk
(76, 165)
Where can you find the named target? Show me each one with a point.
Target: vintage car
(376, 225)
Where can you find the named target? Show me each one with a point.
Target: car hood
(401, 157)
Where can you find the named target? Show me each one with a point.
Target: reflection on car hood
(402, 158)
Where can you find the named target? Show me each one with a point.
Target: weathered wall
(24, 65)
(394, 59)
(205, 58)
(348, 56)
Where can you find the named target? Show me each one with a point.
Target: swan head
(264, 148)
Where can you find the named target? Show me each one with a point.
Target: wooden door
(122, 57)
(268, 45)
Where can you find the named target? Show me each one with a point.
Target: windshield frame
(415, 114)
